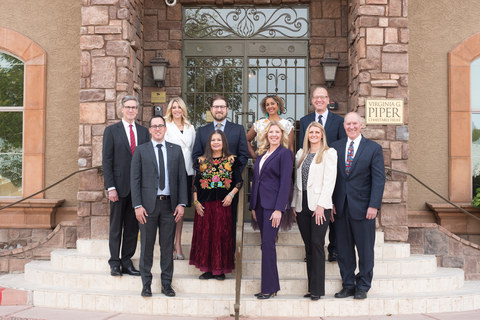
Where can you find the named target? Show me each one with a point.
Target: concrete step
(414, 264)
(41, 272)
(222, 305)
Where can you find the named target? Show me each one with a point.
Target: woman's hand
(199, 208)
(276, 217)
(254, 216)
(227, 200)
(294, 212)
(319, 215)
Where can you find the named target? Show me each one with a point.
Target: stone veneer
(378, 58)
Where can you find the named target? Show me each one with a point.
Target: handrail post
(239, 244)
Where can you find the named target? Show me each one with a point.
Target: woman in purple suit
(269, 199)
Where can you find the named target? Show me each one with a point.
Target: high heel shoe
(264, 296)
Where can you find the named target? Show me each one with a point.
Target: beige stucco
(436, 26)
(55, 26)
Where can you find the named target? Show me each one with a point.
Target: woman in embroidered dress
(181, 132)
(217, 181)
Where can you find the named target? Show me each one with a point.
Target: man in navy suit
(357, 198)
(333, 125)
(236, 138)
(119, 143)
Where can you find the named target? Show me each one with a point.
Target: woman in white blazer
(316, 167)
(181, 132)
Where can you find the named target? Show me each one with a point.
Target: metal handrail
(44, 189)
(239, 245)
(436, 193)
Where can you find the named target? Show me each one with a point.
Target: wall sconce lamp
(329, 70)
(159, 69)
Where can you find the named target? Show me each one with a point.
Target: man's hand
(178, 214)
(140, 214)
(113, 195)
(333, 212)
(371, 213)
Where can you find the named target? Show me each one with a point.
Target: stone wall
(378, 58)
(451, 250)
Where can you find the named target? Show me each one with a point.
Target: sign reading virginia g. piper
(383, 111)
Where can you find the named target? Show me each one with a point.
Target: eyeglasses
(320, 97)
(130, 108)
(160, 126)
(219, 107)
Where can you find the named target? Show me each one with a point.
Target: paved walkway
(36, 313)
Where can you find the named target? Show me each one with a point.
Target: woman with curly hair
(216, 183)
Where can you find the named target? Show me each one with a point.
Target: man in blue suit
(357, 198)
(333, 125)
(236, 137)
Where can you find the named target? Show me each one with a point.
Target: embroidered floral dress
(212, 247)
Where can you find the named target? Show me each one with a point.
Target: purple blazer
(272, 186)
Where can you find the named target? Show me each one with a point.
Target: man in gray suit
(159, 194)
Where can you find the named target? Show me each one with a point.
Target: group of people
(339, 183)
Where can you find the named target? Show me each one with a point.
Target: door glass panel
(475, 106)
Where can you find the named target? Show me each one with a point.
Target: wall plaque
(384, 111)
(159, 97)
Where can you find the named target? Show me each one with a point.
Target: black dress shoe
(332, 257)
(168, 290)
(115, 271)
(308, 295)
(360, 294)
(131, 271)
(345, 293)
(146, 291)
(220, 277)
(314, 298)
(206, 276)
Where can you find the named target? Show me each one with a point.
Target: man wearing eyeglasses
(119, 143)
(236, 138)
(333, 125)
(159, 194)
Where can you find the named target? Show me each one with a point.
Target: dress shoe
(264, 296)
(168, 290)
(332, 257)
(360, 294)
(308, 295)
(131, 271)
(345, 293)
(314, 298)
(146, 291)
(220, 277)
(206, 276)
(115, 271)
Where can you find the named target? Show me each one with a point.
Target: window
(11, 124)
(475, 106)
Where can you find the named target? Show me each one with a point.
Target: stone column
(111, 63)
(378, 58)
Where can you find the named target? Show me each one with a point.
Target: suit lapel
(228, 127)
(123, 135)
(341, 156)
(272, 156)
(361, 147)
(328, 123)
(151, 153)
(177, 132)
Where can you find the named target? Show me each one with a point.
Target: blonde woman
(269, 199)
(181, 132)
(316, 166)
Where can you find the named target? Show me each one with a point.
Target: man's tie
(320, 120)
(132, 139)
(219, 126)
(348, 165)
(161, 167)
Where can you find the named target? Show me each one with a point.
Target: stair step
(41, 272)
(222, 305)
(414, 264)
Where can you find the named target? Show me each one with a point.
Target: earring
(267, 115)
(278, 112)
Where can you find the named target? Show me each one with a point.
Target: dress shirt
(324, 117)
(126, 125)
(166, 191)
(356, 144)
(224, 122)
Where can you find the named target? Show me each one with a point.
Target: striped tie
(349, 158)
(132, 139)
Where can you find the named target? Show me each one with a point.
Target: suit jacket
(237, 141)
(185, 140)
(333, 127)
(272, 185)
(364, 185)
(145, 175)
(117, 156)
(320, 182)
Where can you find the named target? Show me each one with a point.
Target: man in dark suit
(333, 125)
(119, 143)
(357, 198)
(159, 195)
(236, 137)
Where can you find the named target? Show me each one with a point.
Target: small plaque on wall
(159, 97)
(384, 111)
(209, 116)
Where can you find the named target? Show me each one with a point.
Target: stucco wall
(55, 25)
(436, 26)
